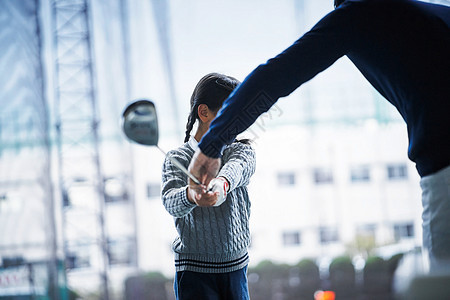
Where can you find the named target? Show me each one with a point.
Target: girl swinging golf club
(212, 222)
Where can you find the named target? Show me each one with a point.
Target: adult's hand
(204, 168)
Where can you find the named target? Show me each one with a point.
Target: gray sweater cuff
(185, 201)
(231, 175)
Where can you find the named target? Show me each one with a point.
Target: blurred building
(330, 191)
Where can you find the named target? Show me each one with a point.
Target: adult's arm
(278, 77)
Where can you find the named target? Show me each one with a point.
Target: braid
(189, 125)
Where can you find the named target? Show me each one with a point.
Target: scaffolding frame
(77, 135)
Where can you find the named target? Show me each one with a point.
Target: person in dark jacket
(402, 47)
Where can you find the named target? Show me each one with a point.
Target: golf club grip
(182, 168)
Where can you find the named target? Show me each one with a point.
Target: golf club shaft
(180, 166)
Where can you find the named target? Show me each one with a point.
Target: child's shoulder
(184, 152)
(243, 145)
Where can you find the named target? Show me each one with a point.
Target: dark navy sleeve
(278, 77)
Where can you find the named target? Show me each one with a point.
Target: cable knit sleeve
(174, 187)
(239, 164)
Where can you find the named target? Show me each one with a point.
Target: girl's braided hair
(212, 90)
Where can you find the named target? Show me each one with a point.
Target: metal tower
(80, 176)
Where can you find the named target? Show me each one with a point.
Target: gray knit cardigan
(210, 239)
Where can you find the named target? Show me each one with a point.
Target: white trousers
(436, 220)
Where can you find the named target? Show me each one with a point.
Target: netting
(24, 151)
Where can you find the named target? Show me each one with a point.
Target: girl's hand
(194, 191)
(199, 195)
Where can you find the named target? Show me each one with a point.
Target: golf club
(140, 125)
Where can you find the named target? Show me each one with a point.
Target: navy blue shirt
(402, 47)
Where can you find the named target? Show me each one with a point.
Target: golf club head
(140, 122)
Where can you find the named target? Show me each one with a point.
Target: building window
(291, 238)
(13, 261)
(402, 231)
(328, 235)
(360, 174)
(153, 190)
(120, 251)
(79, 258)
(115, 191)
(323, 176)
(396, 172)
(286, 178)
